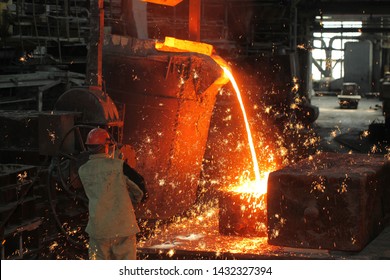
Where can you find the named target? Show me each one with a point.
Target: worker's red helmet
(98, 136)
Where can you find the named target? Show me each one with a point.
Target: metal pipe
(58, 31)
(194, 20)
(95, 56)
(17, 101)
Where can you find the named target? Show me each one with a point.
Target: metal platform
(198, 237)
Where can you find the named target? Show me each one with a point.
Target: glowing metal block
(176, 45)
(164, 2)
(242, 213)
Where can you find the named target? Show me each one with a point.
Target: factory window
(328, 48)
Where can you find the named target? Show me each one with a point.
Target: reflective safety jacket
(111, 213)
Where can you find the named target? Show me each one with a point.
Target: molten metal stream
(248, 130)
(177, 45)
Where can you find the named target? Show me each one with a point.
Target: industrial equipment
(166, 95)
(385, 97)
(242, 213)
(157, 99)
(349, 97)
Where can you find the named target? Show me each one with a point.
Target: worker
(112, 224)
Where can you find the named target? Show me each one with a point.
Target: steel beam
(194, 20)
(353, 7)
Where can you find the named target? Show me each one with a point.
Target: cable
(55, 214)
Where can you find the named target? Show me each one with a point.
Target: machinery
(158, 101)
(385, 97)
(168, 101)
(349, 97)
(380, 131)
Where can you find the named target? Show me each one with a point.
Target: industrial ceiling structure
(50, 32)
(249, 24)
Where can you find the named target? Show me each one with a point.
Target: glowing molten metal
(260, 183)
(242, 208)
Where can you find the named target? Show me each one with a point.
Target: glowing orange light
(170, 44)
(256, 188)
(164, 2)
(260, 183)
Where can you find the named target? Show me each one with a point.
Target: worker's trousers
(120, 248)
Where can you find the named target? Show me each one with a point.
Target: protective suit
(112, 225)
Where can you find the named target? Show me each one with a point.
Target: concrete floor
(331, 116)
(335, 124)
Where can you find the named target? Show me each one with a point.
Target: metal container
(242, 213)
(169, 99)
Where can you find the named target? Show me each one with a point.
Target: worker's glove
(135, 192)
